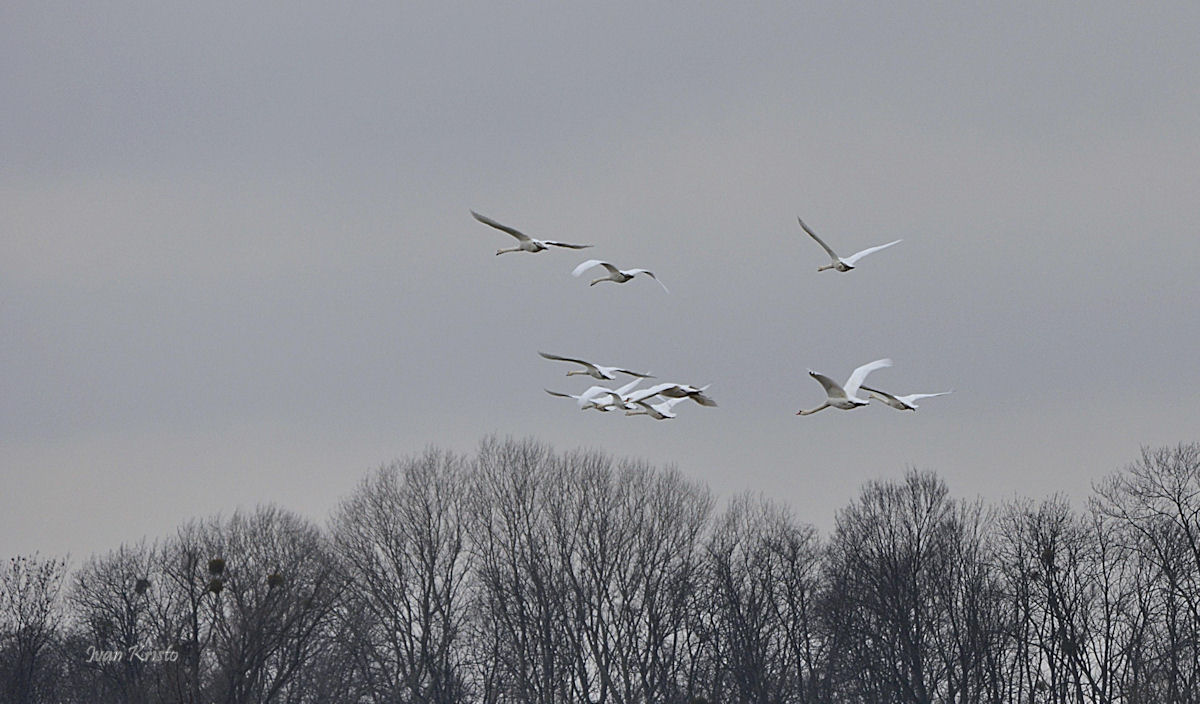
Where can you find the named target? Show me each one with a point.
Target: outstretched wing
(832, 254)
(503, 228)
(670, 403)
(913, 397)
(877, 392)
(832, 388)
(632, 373)
(858, 376)
(566, 244)
(628, 388)
(859, 255)
(649, 392)
(555, 357)
(647, 272)
(591, 263)
(689, 391)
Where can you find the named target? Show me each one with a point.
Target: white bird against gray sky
(672, 390)
(584, 401)
(525, 242)
(900, 403)
(595, 370)
(614, 274)
(843, 397)
(657, 411)
(842, 264)
(600, 398)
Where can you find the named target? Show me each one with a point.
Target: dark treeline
(527, 575)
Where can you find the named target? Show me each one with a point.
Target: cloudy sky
(237, 262)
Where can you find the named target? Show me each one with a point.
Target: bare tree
(762, 600)
(401, 542)
(273, 588)
(233, 610)
(907, 565)
(30, 618)
(1153, 507)
(191, 611)
(522, 599)
(627, 539)
(1071, 597)
(586, 575)
(116, 598)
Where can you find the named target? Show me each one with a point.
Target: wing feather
(633, 373)
(859, 255)
(591, 263)
(832, 254)
(555, 357)
(647, 272)
(566, 244)
(503, 228)
(913, 397)
(860, 374)
(832, 388)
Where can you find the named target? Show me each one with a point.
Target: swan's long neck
(506, 251)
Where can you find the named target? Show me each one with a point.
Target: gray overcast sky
(238, 263)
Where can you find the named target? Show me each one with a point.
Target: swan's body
(600, 398)
(657, 411)
(603, 403)
(614, 274)
(525, 243)
(843, 397)
(595, 370)
(842, 264)
(900, 403)
(680, 391)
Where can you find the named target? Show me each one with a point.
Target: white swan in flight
(901, 403)
(657, 411)
(595, 370)
(842, 263)
(843, 397)
(585, 402)
(680, 391)
(614, 274)
(525, 243)
(599, 397)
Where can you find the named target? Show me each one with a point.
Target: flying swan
(839, 263)
(900, 403)
(843, 397)
(657, 411)
(614, 274)
(525, 243)
(600, 398)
